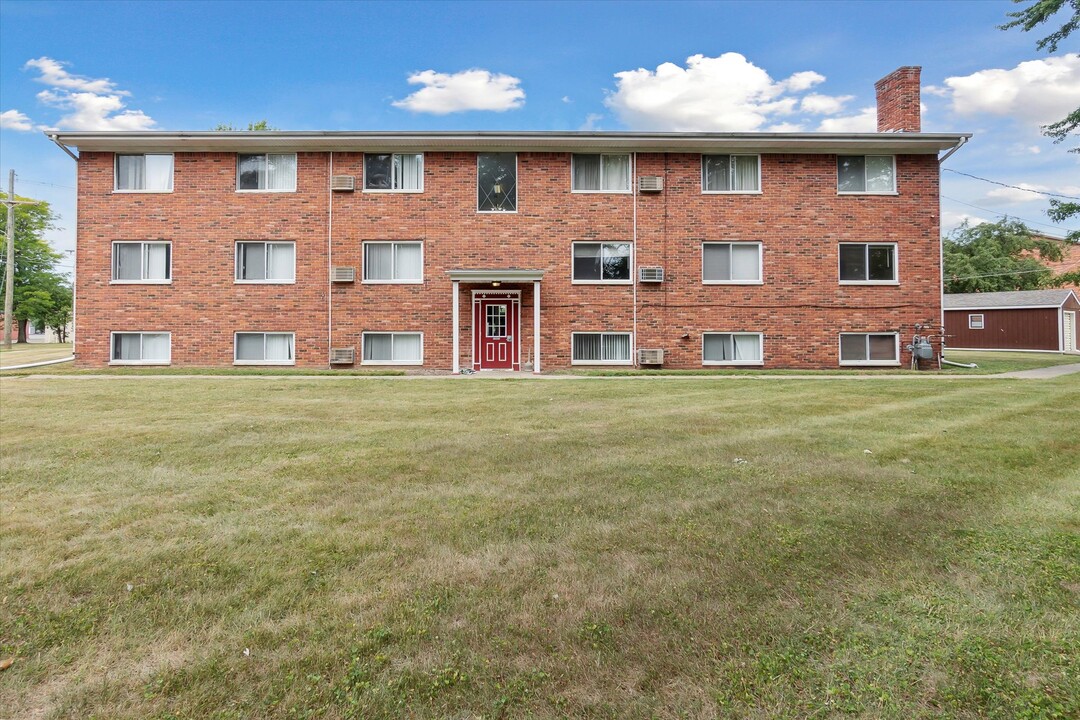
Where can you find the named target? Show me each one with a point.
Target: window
(266, 173)
(496, 182)
(975, 322)
(731, 349)
(865, 174)
(144, 173)
(867, 263)
(602, 262)
(601, 173)
(264, 348)
(393, 262)
(265, 262)
(141, 348)
(869, 349)
(600, 348)
(393, 348)
(731, 173)
(403, 172)
(731, 263)
(142, 262)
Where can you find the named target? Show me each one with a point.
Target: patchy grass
(999, 362)
(22, 353)
(302, 549)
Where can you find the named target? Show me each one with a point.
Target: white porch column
(457, 362)
(536, 327)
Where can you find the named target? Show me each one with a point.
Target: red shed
(1039, 320)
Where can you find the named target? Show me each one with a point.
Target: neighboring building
(1070, 261)
(449, 250)
(1044, 320)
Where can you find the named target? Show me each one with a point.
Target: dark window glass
(853, 262)
(880, 262)
(497, 182)
(377, 172)
(851, 173)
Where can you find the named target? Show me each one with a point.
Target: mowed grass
(25, 353)
(377, 548)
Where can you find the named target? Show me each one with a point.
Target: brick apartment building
(444, 251)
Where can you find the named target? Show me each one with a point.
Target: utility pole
(9, 275)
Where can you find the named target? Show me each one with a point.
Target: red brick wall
(798, 217)
(898, 101)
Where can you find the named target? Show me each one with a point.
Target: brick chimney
(898, 100)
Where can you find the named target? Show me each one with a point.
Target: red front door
(496, 334)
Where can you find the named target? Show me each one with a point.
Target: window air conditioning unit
(342, 356)
(342, 183)
(650, 183)
(650, 274)
(651, 356)
(344, 274)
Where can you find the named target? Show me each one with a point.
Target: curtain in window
(882, 347)
(616, 347)
(587, 265)
(408, 171)
(249, 346)
(252, 172)
(852, 347)
(126, 346)
(586, 172)
(280, 172)
(279, 346)
(378, 261)
(252, 261)
(587, 346)
(616, 173)
(879, 173)
(746, 173)
(407, 347)
(130, 172)
(747, 347)
(718, 348)
(157, 261)
(279, 261)
(159, 172)
(155, 347)
(716, 262)
(127, 261)
(717, 172)
(378, 347)
(407, 263)
(744, 262)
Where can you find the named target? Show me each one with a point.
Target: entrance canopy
(496, 275)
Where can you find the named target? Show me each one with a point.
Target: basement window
(866, 174)
(141, 348)
(393, 348)
(264, 349)
(600, 348)
(869, 349)
(731, 349)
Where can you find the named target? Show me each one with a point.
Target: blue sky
(537, 66)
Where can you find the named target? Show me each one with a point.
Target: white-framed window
(149, 173)
(976, 321)
(141, 262)
(602, 262)
(266, 172)
(496, 182)
(264, 348)
(394, 172)
(265, 262)
(393, 262)
(868, 263)
(392, 348)
(731, 348)
(736, 263)
(869, 349)
(601, 348)
(600, 173)
(731, 173)
(141, 348)
(866, 174)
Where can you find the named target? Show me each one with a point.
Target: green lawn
(24, 353)
(242, 548)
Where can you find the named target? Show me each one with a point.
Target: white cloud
(824, 104)
(725, 93)
(950, 220)
(592, 122)
(864, 122)
(566, 99)
(784, 127)
(15, 120)
(474, 89)
(1037, 91)
(91, 104)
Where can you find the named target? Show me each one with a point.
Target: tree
(1035, 14)
(261, 125)
(37, 284)
(994, 257)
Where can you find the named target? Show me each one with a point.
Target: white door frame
(515, 296)
(1065, 316)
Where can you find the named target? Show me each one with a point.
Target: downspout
(634, 277)
(62, 146)
(75, 267)
(963, 141)
(330, 264)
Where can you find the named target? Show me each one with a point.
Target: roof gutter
(56, 140)
(963, 141)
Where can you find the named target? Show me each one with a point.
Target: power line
(41, 182)
(1014, 187)
(987, 209)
